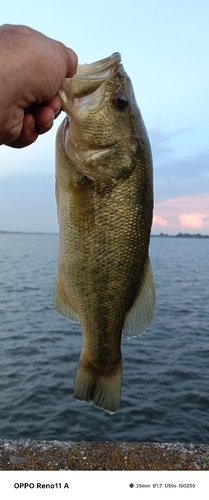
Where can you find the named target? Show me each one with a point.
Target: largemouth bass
(104, 193)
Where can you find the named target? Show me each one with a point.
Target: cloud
(159, 221)
(193, 220)
(179, 167)
(190, 212)
(162, 142)
(27, 203)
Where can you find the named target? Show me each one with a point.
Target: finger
(37, 120)
(28, 133)
(72, 63)
(44, 117)
(45, 114)
(55, 104)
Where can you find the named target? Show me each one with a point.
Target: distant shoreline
(180, 235)
(26, 232)
(161, 235)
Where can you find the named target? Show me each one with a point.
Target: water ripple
(165, 393)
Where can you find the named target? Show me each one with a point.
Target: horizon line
(160, 235)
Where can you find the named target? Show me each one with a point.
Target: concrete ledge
(26, 454)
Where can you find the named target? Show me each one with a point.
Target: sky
(164, 48)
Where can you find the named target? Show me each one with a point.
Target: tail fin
(103, 390)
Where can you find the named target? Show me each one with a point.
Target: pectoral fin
(62, 303)
(142, 311)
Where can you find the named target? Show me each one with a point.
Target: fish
(104, 196)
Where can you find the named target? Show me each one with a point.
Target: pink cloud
(190, 212)
(193, 220)
(159, 221)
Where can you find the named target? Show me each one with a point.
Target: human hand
(33, 67)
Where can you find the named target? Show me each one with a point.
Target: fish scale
(104, 198)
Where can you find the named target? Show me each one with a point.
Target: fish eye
(120, 100)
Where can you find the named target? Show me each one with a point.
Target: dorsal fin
(142, 311)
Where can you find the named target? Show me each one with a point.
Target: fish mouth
(82, 94)
(88, 79)
(100, 68)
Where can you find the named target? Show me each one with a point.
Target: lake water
(165, 390)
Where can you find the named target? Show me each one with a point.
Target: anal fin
(62, 303)
(142, 311)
